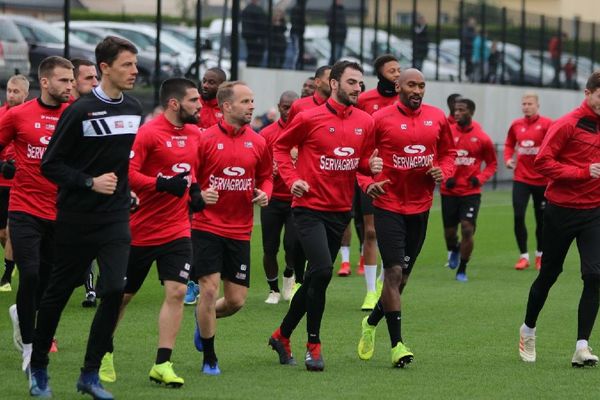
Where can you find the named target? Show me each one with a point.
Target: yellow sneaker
(379, 287)
(366, 344)
(163, 373)
(370, 301)
(107, 371)
(5, 287)
(401, 356)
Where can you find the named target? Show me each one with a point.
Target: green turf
(464, 336)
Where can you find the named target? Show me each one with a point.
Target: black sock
(376, 315)
(315, 303)
(588, 307)
(111, 346)
(462, 268)
(288, 272)
(9, 266)
(163, 355)
(394, 325)
(274, 284)
(209, 350)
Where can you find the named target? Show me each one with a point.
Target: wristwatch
(89, 182)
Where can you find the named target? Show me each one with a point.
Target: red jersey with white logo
(334, 142)
(7, 153)
(525, 137)
(234, 163)
(161, 149)
(570, 146)
(372, 101)
(473, 147)
(281, 191)
(210, 113)
(29, 126)
(410, 142)
(303, 104)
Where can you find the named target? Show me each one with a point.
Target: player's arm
(446, 153)
(293, 135)
(370, 163)
(509, 148)
(546, 162)
(8, 132)
(137, 180)
(264, 178)
(491, 163)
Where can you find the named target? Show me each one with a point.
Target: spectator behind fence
(493, 61)
(467, 36)
(555, 50)
(298, 21)
(254, 32)
(278, 39)
(481, 53)
(570, 69)
(336, 20)
(421, 43)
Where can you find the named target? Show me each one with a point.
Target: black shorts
(520, 197)
(4, 195)
(173, 261)
(400, 237)
(273, 218)
(214, 254)
(32, 240)
(460, 208)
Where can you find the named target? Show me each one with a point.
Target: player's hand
(595, 170)
(436, 173)
(260, 198)
(105, 183)
(294, 153)
(299, 188)
(210, 195)
(375, 189)
(474, 181)
(375, 162)
(134, 202)
(451, 183)
(8, 169)
(175, 185)
(510, 164)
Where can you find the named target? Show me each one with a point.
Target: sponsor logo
(414, 149)
(37, 125)
(50, 117)
(240, 276)
(184, 274)
(35, 152)
(45, 140)
(343, 151)
(358, 131)
(181, 167)
(169, 143)
(527, 148)
(119, 124)
(403, 127)
(527, 143)
(243, 267)
(181, 143)
(428, 123)
(375, 106)
(538, 127)
(404, 162)
(234, 171)
(474, 139)
(248, 145)
(97, 113)
(332, 130)
(463, 159)
(462, 153)
(220, 146)
(187, 266)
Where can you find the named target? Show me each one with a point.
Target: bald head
(411, 88)
(411, 74)
(285, 103)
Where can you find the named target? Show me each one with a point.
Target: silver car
(14, 51)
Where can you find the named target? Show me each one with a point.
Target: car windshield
(8, 33)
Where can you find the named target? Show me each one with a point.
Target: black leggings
(520, 198)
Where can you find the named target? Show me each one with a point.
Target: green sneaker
(401, 356)
(163, 373)
(370, 301)
(366, 344)
(294, 290)
(107, 371)
(379, 286)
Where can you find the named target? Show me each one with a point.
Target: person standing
(334, 141)
(17, 90)
(235, 165)
(461, 191)
(421, 43)
(415, 144)
(32, 202)
(524, 138)
(569, 158)
(298, 22)
(278, 39)
(254, 32)
(338, 29)
(88, 158)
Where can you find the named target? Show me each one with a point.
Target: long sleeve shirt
(281, 191)
(210, 113)
(303, 104)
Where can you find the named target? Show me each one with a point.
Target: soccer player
(308, 87)
(525, 137)
(319, 97)
(211, 112)
(32, 204)
(569, 158)
(88, 158)
(17, 90)
(450, 101)
(161, 170)
(461, 192)
(415, 144)
(278, 214)
(388, 71)
(334, 141)
(234, 163)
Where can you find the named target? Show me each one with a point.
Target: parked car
(14, 51)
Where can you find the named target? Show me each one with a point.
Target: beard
(187, 118)
(345, 99)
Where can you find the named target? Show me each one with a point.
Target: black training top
(93, 137)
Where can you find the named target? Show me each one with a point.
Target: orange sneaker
(345, 269)
(361, 266)
(538, 262)
(54, 346)
(522, 264)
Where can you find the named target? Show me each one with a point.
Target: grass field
(464, 336)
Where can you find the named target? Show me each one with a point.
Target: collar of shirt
(338, 109)
(532, 120)
(163, 119)
(407, 110)
(464, 129)
(48, 106)
(231, 130)
(588, 112)
(104, 97)
(281, 123)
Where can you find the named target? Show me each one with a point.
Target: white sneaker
(14, 317)
(288, 287)
(584, 357)
(526, 346)
(273, 298)
(26, 359)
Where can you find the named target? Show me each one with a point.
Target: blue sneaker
(211, 369)
(197, 338)
(89, 382)
(38, 383)
(453, 259)
(191, 296)
(462, 277)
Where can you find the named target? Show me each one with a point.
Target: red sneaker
(314, 359)
(522, 264)
(282, 346)
(345, 269)
(361, 266)
(538, 262)
(54, 346)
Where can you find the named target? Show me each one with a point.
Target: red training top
(372, 101)
(303, 104)
(210, 113)
(7, 153)
(281, 191)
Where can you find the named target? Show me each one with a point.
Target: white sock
(525, 256)
(581, 344)
(449, 254)
(538, 253)
(371, 277)
(345, 251)
(527, 331)
(381, 273)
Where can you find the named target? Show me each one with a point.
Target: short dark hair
(48, 65)
(382, 60)
(109, 49)
(174, 88)
(222, 75)
(593, 81)
(452, 99)
(78, 62)
(467, 102)
(225, 91)
(339, 67)
(321, 71)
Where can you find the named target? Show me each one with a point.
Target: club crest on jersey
(169, 143)
(220, 146)
(331, 129)
(119, 124)
(248, 145)
(181, 143)
(37, 125)
(428, 123)
(375, 106)
(474, 139)
(358, 131)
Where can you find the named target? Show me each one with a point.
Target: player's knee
(209, 293)
(467, 229)
(127, 297)
(321, 278)
(370, 235)
(393, 276)
(28, 276)
(591, 283)
(176, 293)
